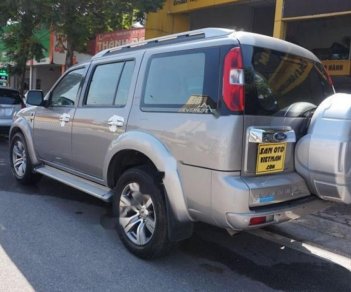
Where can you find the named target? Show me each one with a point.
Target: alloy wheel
(19, 158)
(136, 215)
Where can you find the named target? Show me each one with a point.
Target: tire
(20, 163)
(140, 210)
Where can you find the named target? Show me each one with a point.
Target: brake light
(233, 81)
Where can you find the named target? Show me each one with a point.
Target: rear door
(103, 112)
(281, 93)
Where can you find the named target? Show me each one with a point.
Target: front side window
(275, 81)
(185, 81)
(65, 93)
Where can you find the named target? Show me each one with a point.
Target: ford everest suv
(211, 125)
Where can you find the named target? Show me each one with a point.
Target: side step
(99, 191)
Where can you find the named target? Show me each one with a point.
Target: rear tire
(20, 162)
(140, 209)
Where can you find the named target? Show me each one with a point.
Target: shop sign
(119, 38)
(337, 67)
(177, 2)
(4, 74)
(58, 48)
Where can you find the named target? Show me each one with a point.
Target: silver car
(10, 103)
(229, 128)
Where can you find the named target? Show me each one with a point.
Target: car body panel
(206, 159)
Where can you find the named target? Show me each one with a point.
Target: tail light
(233, 81)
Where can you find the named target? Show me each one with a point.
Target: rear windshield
(9, 97)
(275, 81)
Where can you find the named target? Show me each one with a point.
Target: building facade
(322, 26)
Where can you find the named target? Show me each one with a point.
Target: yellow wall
(163, 23)
(174, 18)
(279, 30)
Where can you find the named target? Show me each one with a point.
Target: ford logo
(280, 136)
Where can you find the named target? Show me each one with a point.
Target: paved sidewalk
(329, 229)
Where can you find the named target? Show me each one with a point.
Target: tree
(81, 20)
(20, 19)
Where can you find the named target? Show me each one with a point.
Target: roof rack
(169, 39)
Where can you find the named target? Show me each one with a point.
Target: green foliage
(20, 19)
(79, 20)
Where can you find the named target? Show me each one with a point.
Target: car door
(53, 123)
(103, 113)
(282, 91)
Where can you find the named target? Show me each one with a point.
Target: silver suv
(199, 126)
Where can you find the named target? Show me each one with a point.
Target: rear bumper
(277, 214)
(233, 206)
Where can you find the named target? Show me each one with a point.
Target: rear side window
(185, 81)
(9, 97)
(274, 81)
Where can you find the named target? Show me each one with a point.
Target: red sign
(119, 38)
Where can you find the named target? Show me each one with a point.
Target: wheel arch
(21, 125)
(138, 148)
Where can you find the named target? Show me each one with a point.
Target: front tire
(21, 165)
(140, 209)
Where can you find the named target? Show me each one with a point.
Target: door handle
(116, 121)
(64, 118)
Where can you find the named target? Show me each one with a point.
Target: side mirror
(35, 97)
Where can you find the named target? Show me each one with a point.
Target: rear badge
(280, 136)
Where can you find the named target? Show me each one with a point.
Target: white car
(10, 103)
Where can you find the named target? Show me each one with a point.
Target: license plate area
(270, 157)
(6, 112)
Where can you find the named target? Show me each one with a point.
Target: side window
(103, 85)
(110, 84)
(124, 84)
(65, 93)
(185, 81)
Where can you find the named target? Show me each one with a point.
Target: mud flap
(323, 156)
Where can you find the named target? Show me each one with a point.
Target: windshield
(9, 97)
(274, 81)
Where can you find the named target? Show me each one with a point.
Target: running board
(99, 191)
